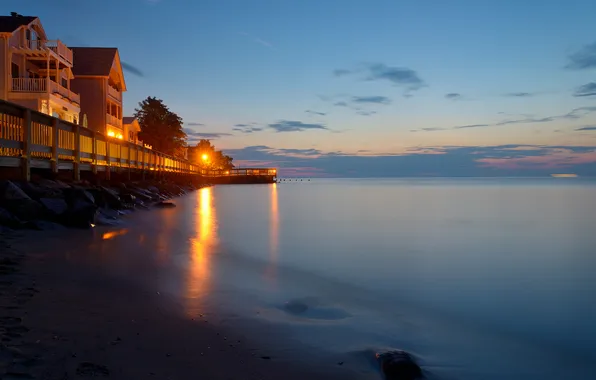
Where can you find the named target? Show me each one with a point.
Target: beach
(64, 320)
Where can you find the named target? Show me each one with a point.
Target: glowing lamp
(111, 134)
(205, 157)
(120, 137)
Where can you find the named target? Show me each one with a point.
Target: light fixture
(111, 134)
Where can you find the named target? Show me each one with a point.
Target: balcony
(44, 85)
(42, 47)
(113, 120)
(114, 94)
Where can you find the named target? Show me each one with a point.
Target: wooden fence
(31, 139)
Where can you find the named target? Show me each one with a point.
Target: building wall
(28, 103)
(4, 68)
(93, 93)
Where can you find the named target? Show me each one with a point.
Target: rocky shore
(48, 204)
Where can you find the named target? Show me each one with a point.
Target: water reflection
(112, 234)
(271, 271)
(201, 246)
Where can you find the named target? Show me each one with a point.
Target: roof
(9, 24)
(128, 119)
(95, 61)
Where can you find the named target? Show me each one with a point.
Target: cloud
(295, 126)
(453, 96)
(258, 40)
(441, 161)
(398, 76)
(471, 126)
(341, 72)
(588, 89)
(193, 124)
(194, 135)
(341, 104)
(583, 59)
(519, 94)
(574, 114)
(371, 99)
(132, 69)
(587, 128)
(366, 113)
(315, 113)
(247, 128)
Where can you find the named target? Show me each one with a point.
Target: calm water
(480, 279)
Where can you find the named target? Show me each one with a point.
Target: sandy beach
(63, 320)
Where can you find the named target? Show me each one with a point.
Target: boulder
(399, 365)
(80, 214)
(165, 204)
(111, 198)
(11, 192)
(8, 220)
(55, 206)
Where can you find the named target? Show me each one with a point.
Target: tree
(160, 127)
(205, 155)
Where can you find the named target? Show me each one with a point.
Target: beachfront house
(36, 72)
(131, 129)
(100, 81)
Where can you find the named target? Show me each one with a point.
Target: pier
(32, 141)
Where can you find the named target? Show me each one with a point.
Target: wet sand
(60, 319)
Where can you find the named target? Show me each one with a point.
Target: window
(64, 83)
(15, 70)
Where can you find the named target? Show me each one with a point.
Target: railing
(54, 45)
(32, 139)
(41, 85)
(29, 84)
(55, 88)
(113, 120)
(117, 95)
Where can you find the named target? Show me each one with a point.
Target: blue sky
(324, 87)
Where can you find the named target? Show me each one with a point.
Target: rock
(163, 204)
(399, 365)
(8, 220)
(11, 192)
(111, 198)
(56, 206)
(80, 214)
(25, 209)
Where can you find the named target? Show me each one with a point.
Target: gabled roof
(9, 24)
(128, 119)
(96, 61)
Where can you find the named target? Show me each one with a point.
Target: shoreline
(61, 319)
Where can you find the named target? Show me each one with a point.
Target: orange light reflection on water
(112, 234)
(201, 247)
(271, 271)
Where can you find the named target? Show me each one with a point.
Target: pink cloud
(556, 158)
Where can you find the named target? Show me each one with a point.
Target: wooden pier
(31, 140)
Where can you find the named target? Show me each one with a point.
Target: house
(36, 72)
(131, 129)
(98, 77)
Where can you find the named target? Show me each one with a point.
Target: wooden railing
(54, 45)
(56, 88)
(115, 94)
(29, 84)
(113, 120)
(31, 139)
(42, 85)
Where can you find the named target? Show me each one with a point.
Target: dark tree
(207, 157)
(160, 127)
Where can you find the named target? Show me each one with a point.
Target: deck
(31, 140)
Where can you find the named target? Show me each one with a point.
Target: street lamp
(205, 157)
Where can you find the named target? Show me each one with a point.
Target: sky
(359, 88)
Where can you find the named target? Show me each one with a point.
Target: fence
(30, 139)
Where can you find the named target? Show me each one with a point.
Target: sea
(478, 278)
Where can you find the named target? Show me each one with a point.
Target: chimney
(15, 14)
